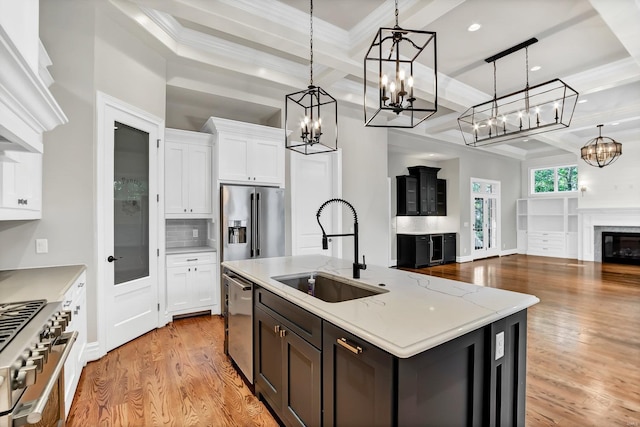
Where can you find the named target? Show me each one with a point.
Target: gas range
(33, 348)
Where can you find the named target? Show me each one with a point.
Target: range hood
(27, 108)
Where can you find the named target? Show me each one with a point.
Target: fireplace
(621, 248)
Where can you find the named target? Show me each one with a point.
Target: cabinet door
(407, 195)
(233, 155)
(441, 197)
(268, 358)
(449, 248)
(301, 385)
(445, 386)
(199, 173)
(357, 383)
(202, 285)
(178, 288)
(176, 183)
(21, 183)
(267, 161)
(432, 192)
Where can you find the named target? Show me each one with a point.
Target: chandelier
(533, 110)
(312, 131)
(392, 57)
(601, 151)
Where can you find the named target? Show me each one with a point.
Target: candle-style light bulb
(383, 82)
(392, 87)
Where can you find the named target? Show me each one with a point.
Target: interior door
(130, 227)
(314, 180)
(485, 220)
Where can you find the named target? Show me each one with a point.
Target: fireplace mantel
(589, 218)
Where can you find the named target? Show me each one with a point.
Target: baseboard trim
(506, 252)
(92, 352)
(466, 258)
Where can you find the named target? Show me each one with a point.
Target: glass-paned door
(130, 203)
(129, 146)
(485, 215)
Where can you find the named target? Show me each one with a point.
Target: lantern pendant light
(311, 115)
(407, 90)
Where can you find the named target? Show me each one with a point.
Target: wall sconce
(583, 188)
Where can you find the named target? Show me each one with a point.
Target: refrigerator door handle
(257, 224)
(252, 222)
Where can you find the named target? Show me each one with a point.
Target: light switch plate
(42, 246)
(195, 232)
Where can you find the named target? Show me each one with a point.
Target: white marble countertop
(418, 313)
(50, 283)
(190, 249)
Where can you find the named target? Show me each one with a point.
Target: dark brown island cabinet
(312, 373)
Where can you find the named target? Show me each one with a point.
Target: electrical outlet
(195, 232)
(42, 246)
(499, 345)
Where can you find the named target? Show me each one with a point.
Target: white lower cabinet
(75, 300)
(192, 283)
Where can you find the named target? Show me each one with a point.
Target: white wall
(365, 186)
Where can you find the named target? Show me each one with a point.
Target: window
(554, 180)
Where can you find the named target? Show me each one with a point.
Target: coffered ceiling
(239, 58)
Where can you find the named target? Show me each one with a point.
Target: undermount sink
(328, 287)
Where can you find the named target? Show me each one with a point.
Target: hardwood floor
(583, 362)
(177, 375)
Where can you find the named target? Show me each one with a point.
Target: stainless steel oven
(33, 349)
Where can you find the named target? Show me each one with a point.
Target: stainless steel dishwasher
(240, 322)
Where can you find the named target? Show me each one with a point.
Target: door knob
(112, 258)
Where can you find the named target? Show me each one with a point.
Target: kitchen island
(427, 350)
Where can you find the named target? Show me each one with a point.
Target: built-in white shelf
(548, 226)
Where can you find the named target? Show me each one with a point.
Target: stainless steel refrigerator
(252, 223)
(251, 226)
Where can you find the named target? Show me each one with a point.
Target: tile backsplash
(180, 233)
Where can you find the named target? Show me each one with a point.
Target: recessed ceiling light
(535, 68)
(431, 155)
(474, 27)
(582, 101)
(615, 124)
(525, 140)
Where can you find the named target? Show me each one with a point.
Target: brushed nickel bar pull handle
(283, 333)
(276, 329)
(35, 415)
(343, 342)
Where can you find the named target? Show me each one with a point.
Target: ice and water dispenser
(237, 230)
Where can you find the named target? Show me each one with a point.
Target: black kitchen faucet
(325, 245)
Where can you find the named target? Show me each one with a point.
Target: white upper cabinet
(188, 177)
(248, 153)
(27, 108)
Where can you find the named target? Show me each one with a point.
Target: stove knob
(40, 351)
(62, 321)
(25, 377)
(37, 359)
(55, 331)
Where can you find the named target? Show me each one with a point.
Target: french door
(485, 206)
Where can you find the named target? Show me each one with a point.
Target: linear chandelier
(393, 56)
(533, 110)
(601, 151)
(312, 131)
